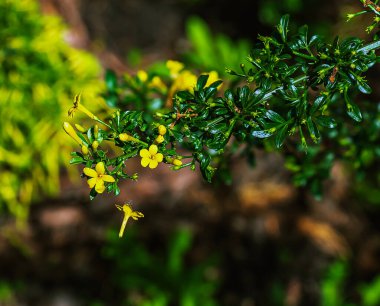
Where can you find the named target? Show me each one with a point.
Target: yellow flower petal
(136, 214)
(90, 172)
(100, 168)
(127, 209)
(92, 181)
(99, 187)
(153, 149)
(158, 157)
(145, 161)
(108, 178)
(153, 164)
(144, 153)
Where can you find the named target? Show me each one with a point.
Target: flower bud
(177, 162)
(80, 128)
(84, 150)
(71, 132)
(161, 129)
(160, 139)
(96, 131)
(124, 137)
(95, 145)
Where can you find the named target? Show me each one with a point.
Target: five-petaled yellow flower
(97, 177)
(151, 157)
(128, 212)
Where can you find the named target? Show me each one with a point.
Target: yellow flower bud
(177, 162)
(161, 129)
(96, 131)
(95, 145)
(124, 137)
(80, 128)
(142, 75)
(71, 132)
(84, 150)
(160, 139)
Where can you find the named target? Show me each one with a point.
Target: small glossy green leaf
(326, 121)
(202, 80)
(273, 116)
(261, 134)
(281, 135)
(111, 80)
(283, 27)
(352, 109)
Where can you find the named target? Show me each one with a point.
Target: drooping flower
(97, 177)
(151, 157)
(128, 212)
(80, 107)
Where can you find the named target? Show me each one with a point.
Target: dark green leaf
(202, 80)
(111, 80)
(283, 27)
(281, 135)
(273, 116)
(326, 121)
(261, 134)
(352, 109)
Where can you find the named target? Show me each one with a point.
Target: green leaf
(93, 194)
(76, 160)
(111, 80)
(275, 117)
(282, 28)
(363, 86)
(281, 135)
(326, 121)
(202, 80)
(261, 134)
(313, 129)
(352, 109)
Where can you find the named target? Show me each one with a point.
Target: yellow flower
(157, 83)
(212, 77)
(78, 106)
(174, 68)
(151, 157)
(97, 177)
(142, 75)
(128, 212)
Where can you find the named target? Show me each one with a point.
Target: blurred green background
(257, 241)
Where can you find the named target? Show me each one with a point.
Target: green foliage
(333, 288)
(151, 279)
(211, 52)
(39, 75)
(300, 95)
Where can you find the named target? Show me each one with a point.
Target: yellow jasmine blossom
(80, 107)
(71, 132)
(185, 81)
(97, 177)
(162, 130)
(212, 77)
(128, 212)
(174, 68)
(151, 157)
(157, 83)
(142, 75)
